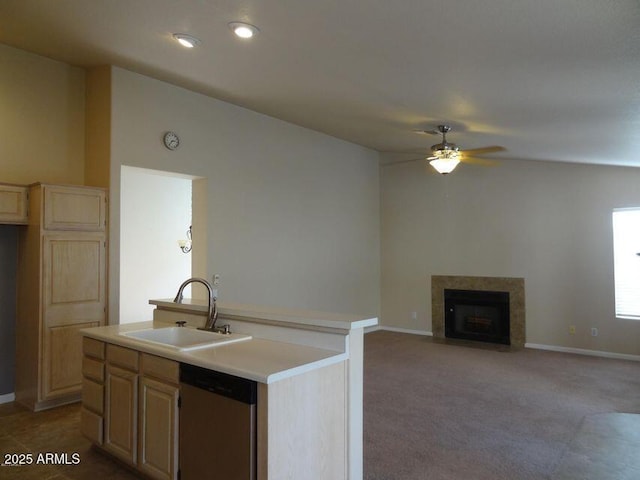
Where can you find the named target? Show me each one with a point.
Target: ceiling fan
(446, 155)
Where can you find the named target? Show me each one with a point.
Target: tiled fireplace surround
(515, 287)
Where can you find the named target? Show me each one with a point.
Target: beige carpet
(441, 410)
(607, 446)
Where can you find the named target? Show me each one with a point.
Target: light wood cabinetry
(73, 208)
(121, 403)
(301, 421)
(135, 396)
(13, 204)
(61, 290)
(121, 413)
(93, 371)
(158, 422)
(158, 427)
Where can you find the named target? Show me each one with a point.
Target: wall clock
(171, 140)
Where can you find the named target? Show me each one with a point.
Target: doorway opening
(155, 215)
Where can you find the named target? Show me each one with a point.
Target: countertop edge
(283, 315)
(115, 337)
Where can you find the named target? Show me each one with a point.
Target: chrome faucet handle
(181, 323)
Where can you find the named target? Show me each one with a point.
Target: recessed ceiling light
(244, 30)
(185, 40)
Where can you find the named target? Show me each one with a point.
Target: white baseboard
(582, 351)
(396, 329)
(537, 346)
(7, 398)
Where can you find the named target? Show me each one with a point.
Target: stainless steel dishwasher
(217, 425)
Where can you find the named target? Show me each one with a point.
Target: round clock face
(171, 140)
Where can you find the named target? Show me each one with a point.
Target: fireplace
(516, 304)
(477, 315)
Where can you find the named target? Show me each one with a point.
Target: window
(626, 255)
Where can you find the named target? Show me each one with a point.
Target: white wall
(547, 222)
(292, 214)
(155, 213)
(41, 119)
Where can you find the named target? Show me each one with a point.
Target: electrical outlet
(594, 332)
(216, 279)
(572, 330)
(414, 315)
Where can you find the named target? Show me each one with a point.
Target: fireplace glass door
(477, 315)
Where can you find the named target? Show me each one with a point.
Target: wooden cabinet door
(74, 208)
(74, 297)
(13, 204)
(74, 278)
(158, 429)
(121, 413)
(91, 425)
(62, 365)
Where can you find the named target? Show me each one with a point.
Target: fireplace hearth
(477, 315)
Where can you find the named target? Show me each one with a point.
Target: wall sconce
(185, 245)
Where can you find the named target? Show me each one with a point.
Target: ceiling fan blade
(426, 132)
(415, 151)
(481, 162)
(484, 150)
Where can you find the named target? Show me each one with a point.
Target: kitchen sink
(184, 338)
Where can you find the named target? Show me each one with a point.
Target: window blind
(626, 246)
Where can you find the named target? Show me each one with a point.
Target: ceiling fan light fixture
(445, 161)
(186, 40)
(446, 156)
(244, 30)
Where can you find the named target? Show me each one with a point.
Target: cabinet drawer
(93, 396)
(160, 368)
(93, 348)
(91, 426)
(123, 357)
(93, 369)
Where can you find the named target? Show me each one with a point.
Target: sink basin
(184, 338)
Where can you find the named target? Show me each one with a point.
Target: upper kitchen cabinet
(73, 208)
(13, 204)
(61, 290)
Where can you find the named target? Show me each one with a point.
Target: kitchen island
(308, 366)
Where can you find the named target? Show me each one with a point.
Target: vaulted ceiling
(551, 80)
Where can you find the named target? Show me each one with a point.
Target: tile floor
(52, 431)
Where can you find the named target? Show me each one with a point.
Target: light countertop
(264, 361)
(284, 316)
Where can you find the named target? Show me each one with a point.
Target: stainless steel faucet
(212, 314)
